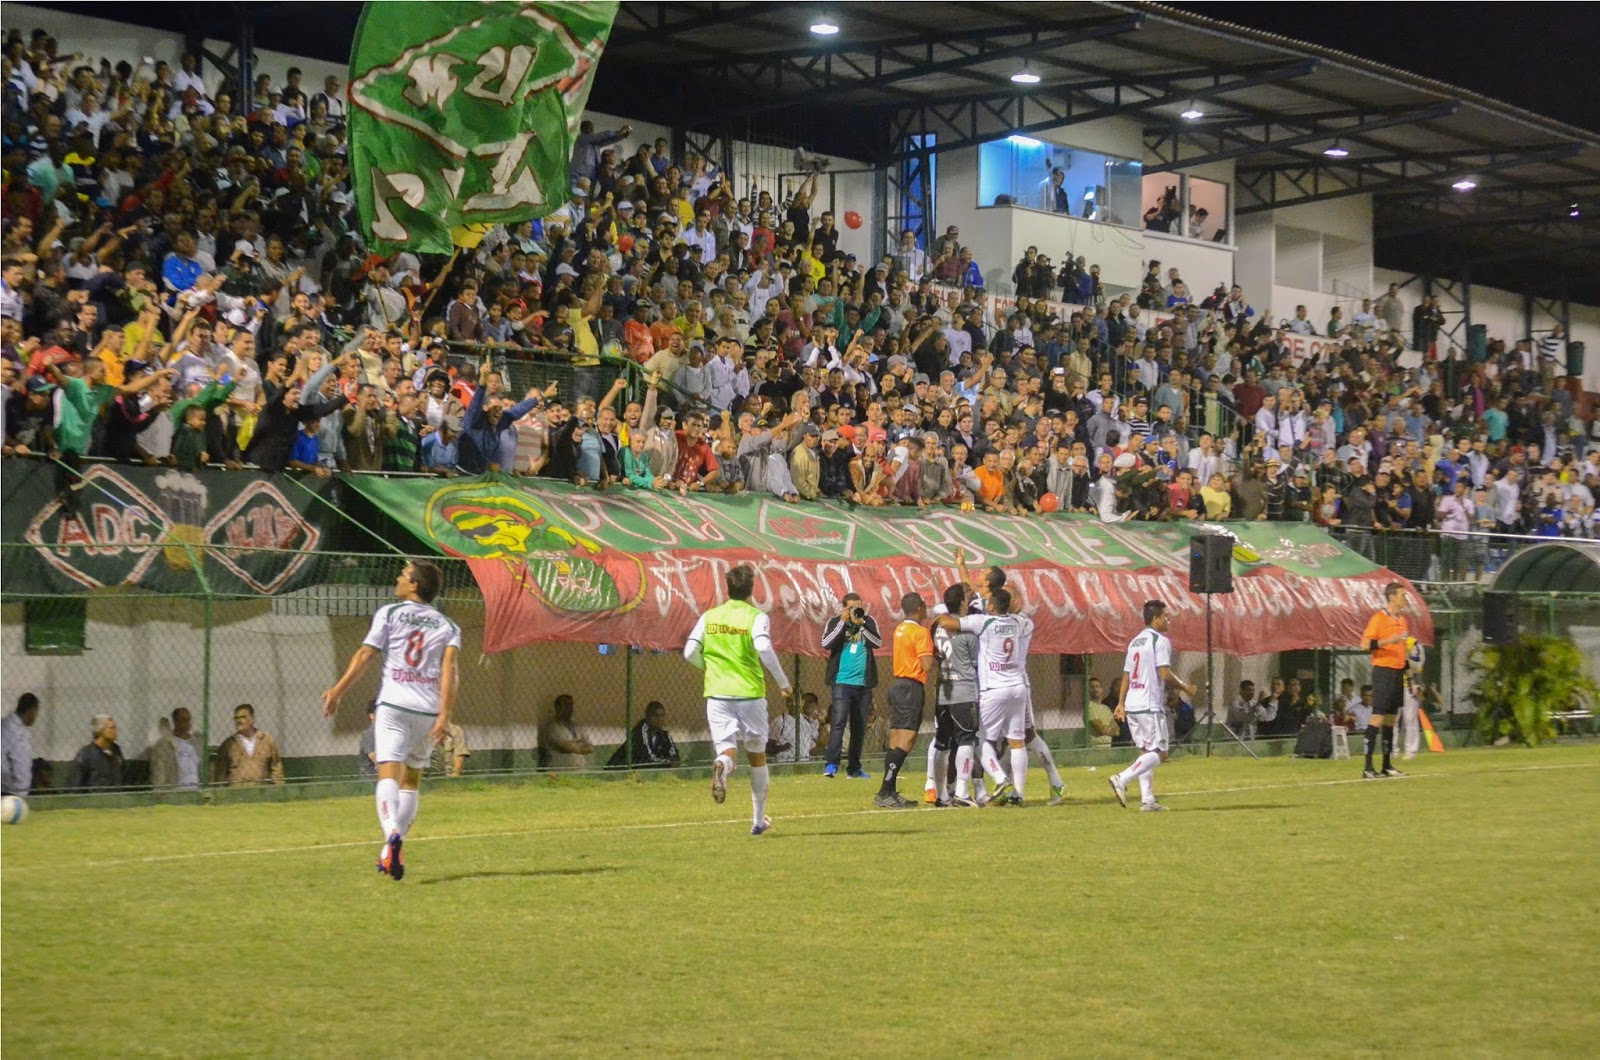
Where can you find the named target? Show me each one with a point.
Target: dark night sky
(1541, 57)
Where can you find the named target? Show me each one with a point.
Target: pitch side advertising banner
(556, 563)
(149, 526)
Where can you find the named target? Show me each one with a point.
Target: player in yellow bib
(732, 643)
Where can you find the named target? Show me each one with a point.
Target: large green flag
(464, 114)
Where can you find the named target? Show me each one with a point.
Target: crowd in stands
(184, 284)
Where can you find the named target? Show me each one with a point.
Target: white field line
(659, 825)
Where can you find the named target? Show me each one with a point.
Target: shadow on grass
(1239, 806)
(859, 831)
(525, 873)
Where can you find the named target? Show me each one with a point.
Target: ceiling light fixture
(1465, 184)
(1025, 141)
(1336, 151)
(1194, 113)
(1025, 77)
(824, 27)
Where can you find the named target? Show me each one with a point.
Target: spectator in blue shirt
(489, 429)
(971, 275)
(439, 450)
(180, 271)
(303, 456)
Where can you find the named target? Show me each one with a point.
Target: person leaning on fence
(175, 758)
(794, 739)
(249, 756)
(652, 746)
(98, 764)
(850, 637)
(451, 753)
(367, 746)
(16, 736)
(561, 745)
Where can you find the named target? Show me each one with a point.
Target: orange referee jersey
(1383, 625)
(911, 642)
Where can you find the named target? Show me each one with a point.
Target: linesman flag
(464, 114)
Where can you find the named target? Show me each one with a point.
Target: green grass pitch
(1280, 909)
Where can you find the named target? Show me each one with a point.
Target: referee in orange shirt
(1385, 638)
(913, 662)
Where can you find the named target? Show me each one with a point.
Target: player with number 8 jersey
(418, 646)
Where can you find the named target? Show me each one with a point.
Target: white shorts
(401, 736)
(736, 721)
(1149, 731)
(1003, 713)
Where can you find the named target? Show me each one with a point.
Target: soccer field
(1281, 908)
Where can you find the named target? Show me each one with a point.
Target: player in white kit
(1142, 703)
(419, 647)
(1003, 640)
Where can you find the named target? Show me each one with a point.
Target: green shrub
(1521, 685)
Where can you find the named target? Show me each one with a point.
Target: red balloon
(1049, 503)
(852, 219)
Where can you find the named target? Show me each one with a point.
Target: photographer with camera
(851, 636)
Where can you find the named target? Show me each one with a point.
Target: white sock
(1141, 765)
(1042, 749)
(1147, 793)
(408, 811)
(991, 763)
(964, 756)
(933, 767)
(1019, 769)
(941, 783)
(388, 807)
(758, 792)
(729, 763)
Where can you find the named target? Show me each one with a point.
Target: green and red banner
(556, 563)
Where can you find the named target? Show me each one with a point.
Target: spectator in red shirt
(697, 464)
(636, 333)
(1180, 496)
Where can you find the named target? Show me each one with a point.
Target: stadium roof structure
(1274, 106)
(721, 69)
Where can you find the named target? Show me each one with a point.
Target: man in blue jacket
(488, 430)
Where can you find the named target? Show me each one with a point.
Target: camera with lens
(858, 615)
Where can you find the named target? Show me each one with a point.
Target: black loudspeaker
(1211, 563)
(1499, 618)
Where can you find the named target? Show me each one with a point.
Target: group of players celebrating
(974, 650)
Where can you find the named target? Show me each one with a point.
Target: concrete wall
(1502, 312)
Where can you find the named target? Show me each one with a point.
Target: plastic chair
(1341, 742)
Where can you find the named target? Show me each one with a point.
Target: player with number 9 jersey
(412, 638)
(1002, 649)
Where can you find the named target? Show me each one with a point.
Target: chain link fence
(138, 656)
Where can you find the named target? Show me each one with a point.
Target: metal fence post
(205, 698)
(627, 706)
(794, 705)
